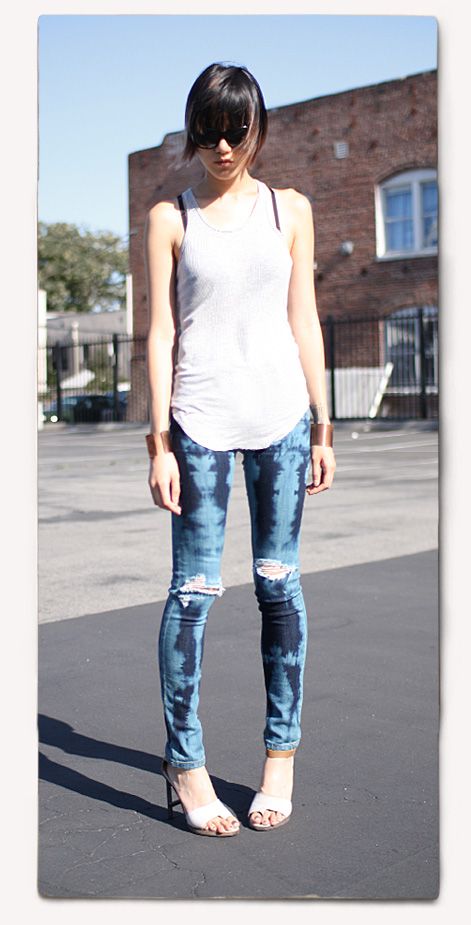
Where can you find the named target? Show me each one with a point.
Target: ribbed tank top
(238, 382)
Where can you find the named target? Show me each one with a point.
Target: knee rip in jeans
(197, 585)
(273, 568)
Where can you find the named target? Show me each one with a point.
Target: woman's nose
(223, 147)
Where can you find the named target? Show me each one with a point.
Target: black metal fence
(383, 367)
(101, 379)
(376, 368)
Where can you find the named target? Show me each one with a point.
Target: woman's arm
(305, 324)
(160, 281)
(302, 309)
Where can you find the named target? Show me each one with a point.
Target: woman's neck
(215, 188)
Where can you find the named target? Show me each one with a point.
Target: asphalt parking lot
(365, 817)
(103, 543)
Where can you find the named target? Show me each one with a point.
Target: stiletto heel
(170, 803)
(196, 818)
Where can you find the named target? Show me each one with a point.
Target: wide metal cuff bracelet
(152, 446)
(322, 434)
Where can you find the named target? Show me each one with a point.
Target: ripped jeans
(275, 479)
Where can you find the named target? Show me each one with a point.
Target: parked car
(87, 408)
(122, 403)
(96, 408)
(68, 404)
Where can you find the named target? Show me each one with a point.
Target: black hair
(226, 96)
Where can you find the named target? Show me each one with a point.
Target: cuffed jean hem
(282, 748)
(185, 765)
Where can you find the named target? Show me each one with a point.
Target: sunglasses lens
(206, 138)
(235, 136)
(210, 137)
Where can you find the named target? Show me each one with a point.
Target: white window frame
(412, 179)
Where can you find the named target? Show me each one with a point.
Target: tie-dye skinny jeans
(275, 479)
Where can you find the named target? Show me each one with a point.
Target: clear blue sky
(110, 85)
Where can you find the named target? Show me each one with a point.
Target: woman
(235, 363)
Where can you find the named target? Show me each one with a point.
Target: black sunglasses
(210, 138)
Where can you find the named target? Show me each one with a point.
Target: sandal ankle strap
(275, 753)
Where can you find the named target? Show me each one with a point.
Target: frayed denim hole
(273, 569)
(195, 586)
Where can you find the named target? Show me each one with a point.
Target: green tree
(80, 270)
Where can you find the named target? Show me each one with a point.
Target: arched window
(411, 344)
(407, 214)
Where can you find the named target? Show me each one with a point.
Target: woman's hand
(323, 468)
(164, 481)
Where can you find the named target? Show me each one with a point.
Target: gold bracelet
(152, 446)
(322, 434)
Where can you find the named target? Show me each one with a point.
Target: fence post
(423, 377)
(58, 365)
(115, 377)
(330, 328)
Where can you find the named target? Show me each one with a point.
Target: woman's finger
(323, 475)
(167, 501)
(175, 490)
(154, 490)
(316, 472)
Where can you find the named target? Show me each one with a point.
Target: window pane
(399, 230)
(430, 232)
(430, 197)
(399, 236)
(429, 213)
(399, 203)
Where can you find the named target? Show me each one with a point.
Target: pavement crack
(201, 875)
(200, 882)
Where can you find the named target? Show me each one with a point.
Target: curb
(360, 426)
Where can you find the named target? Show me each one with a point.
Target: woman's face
(223, 161)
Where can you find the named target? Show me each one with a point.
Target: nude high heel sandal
(265, 801)
(196, 818)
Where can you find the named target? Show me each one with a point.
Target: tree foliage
(80, 270)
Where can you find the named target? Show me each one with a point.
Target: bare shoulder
(296, 208)
(296, 213)
(297, 203)
(163, 214)
(164, 225)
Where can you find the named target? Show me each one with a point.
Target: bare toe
(258, 818)
(220, 824)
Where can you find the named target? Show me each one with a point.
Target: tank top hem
(199, 435)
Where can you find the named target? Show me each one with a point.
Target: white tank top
(238, 382)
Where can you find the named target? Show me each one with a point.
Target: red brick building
(367, 160)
